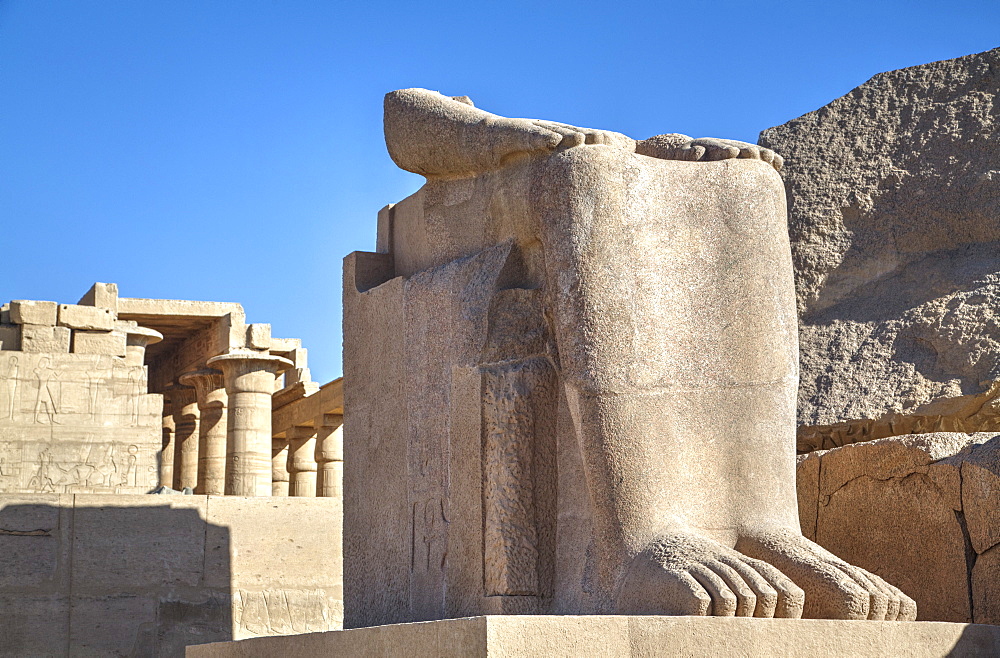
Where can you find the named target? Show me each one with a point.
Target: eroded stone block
(24, 311)
(986, 587)
(250, 523)
(121, 624)
(34, 624)
(45, 338)
(915, 510)
(10, 337)
(259, 336)
(981, 497)
(103, 295)
(88, 318)
(111, 343)
(893, 225)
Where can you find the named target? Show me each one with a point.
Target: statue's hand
(575, 136)
(681, 147)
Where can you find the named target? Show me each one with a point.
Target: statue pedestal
(621, 636)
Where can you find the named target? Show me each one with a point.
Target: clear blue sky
(233, 151)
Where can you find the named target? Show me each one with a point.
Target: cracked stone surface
(919, 510)
(894, 194)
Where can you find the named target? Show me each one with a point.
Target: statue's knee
(582, 175)
(594, 162)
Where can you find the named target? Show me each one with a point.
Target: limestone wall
(92, 574)
(77, 423)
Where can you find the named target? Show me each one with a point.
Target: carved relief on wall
(519, 400)
(74, 423)
(284, 611)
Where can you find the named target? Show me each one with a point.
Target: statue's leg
(671, 295)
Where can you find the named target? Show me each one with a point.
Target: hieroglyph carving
(283, 612)
(75, 423)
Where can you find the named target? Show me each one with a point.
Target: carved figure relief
(9, 385)
(46, 402)
(280, 612)
(84, 421)
(427, 546)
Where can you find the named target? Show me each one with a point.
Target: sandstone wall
(127, 575)
(920, 510)
(77, 423)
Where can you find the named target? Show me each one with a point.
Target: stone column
(184, 401)
(302, 461)
(167, 454)
(279, 467)
(330, 455)
(249, 378)
(136, 340)
(211, 390)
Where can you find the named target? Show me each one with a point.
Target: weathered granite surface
(573, 374)
(894, 215)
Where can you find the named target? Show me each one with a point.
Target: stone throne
(573, 370)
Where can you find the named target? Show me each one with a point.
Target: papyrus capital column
(249, 378)
(184, 403)
(212, 402)
(167, 453)
(136, 340)
(279, 467)
(330, 455)
(302, 461)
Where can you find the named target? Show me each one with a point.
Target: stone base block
(621, 636)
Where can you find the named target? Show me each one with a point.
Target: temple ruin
(112, 398)
(605, 396)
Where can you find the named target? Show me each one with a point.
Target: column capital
(136, 340)
(204, 381)
(180, 394)
(300, 432)
(246, 362)
(140, 335)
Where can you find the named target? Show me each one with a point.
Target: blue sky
(232, 151)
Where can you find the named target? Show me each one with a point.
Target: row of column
(218, 440)
(308, 461)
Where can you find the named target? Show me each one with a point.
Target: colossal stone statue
(573, 371)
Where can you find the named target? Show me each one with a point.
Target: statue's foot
(834, 589)
(684, 574)
(675, 146)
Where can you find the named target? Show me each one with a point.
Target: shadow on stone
(111, 575)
